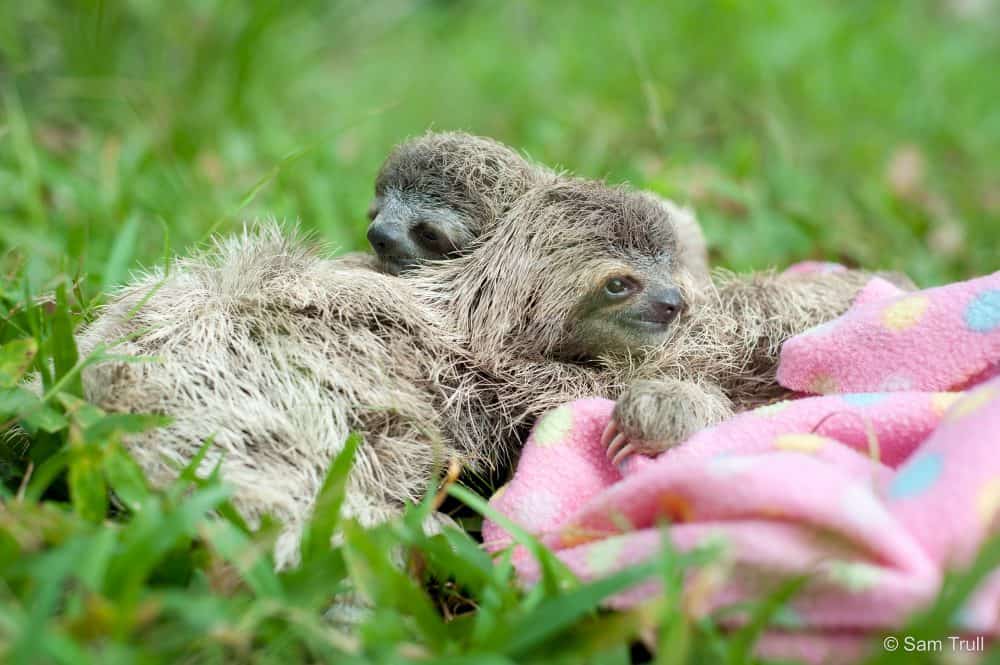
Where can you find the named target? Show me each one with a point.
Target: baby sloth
(435, 194)
(677, 353)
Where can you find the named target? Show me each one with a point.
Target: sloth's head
(574, 270)
(434, 194)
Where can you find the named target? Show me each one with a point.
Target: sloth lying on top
(574, 289)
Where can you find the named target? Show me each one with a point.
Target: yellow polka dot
(823, 384)
(704, 585)
(988, 501)
(554, 427)
(801, 443)
(970, 403)
(772, 409)
(605, 556)
(853, 576)
(905, 313)
(572, 536)
(620, 521)
(941, 402)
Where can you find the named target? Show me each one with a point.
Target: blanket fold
(881, 477)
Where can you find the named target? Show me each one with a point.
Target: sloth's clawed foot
(653, 416)
(620, 447)
(638, 424)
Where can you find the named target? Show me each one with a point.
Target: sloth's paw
(650, 417)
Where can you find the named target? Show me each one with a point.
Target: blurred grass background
(865, 132)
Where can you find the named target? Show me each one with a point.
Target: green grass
(865, 132)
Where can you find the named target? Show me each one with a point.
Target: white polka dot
(540, 509)
(895, 383)
(728, 465)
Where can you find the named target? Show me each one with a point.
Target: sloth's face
(406, 230)
(627, 308)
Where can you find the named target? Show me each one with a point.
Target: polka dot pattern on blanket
(988, 501)
(604, 556)
(823, 384)
(895, 383)
(863, 399)
(938, 339)
(876, 491)
(971, 404)
(800, 443)
(983, 313)
(554, 427)
(941, 402)
(905, 313)
(853, 576)
(916, 476)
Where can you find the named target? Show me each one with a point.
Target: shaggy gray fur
(279, 353)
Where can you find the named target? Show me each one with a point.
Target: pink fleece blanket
(874, 489)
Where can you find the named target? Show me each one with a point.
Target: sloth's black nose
(665, 305)
(384, 239)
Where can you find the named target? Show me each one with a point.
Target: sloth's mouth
(645, 324)
(656, 315)
(394, 265)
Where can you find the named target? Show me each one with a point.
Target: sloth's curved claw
(618, 443)
(608, 435)
(623, 454)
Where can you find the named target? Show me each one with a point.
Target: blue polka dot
(864, 399)
(983, 313)
(916, 476)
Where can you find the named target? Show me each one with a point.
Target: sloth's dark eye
(618, 287)
(429, 237)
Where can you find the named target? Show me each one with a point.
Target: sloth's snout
(385, 239)
(665, 305)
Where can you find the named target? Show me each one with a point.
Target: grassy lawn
(858, 131)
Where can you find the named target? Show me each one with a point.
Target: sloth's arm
(651, 416)
(753, 316)
(772, 307)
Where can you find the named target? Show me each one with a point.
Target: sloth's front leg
(651, 416)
